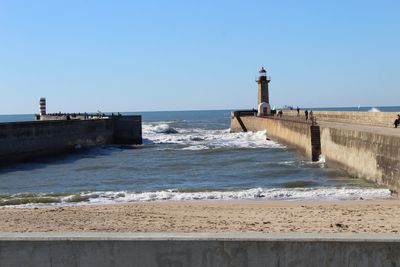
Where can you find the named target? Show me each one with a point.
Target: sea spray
(198, 139)
(373, 109)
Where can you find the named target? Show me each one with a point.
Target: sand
(374, 216)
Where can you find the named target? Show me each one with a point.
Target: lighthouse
(263, 94)
(42, 106)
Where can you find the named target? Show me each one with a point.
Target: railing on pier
(312, 120)
(76, 116)
(239, 113)
(257, 78)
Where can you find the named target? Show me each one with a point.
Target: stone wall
(372, 156)
(369, 155)
(20, 141)
(296, 134)
(127, 129)
(28, 140)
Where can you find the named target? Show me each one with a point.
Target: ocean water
(187, 155)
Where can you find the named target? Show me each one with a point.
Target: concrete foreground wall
(21, 141)
(206, 250)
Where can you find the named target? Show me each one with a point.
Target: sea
(186, 155)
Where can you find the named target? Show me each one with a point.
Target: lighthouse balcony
(259, 78)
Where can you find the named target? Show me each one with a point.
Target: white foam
(327, 194)
(289, 162)
(321, 159)
(196, 147)
(199, 139)
(374, 110)
(251, 194)
(164, 129)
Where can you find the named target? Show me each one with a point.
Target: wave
(196, 147)
(164, 129)
(321, 159)
(110, 197)
(200, 139)
(374, 110)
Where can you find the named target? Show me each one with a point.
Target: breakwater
(21, 141)
(356, 143)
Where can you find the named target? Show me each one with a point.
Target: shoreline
(277, 216)
(32, 200)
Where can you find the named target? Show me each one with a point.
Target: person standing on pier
(306, 113)
(397, 121)
(298, 111)
(311, 116)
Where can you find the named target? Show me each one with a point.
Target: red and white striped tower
(42, 106)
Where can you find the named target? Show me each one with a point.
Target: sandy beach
(374, 216)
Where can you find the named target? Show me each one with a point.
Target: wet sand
(372, 216)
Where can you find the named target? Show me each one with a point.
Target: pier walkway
(361, 127)
(350, 125)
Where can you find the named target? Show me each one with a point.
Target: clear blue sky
(184, 55)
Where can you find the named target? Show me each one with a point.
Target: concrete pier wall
(20, 141)
(127, 130)
(292, 133)
(363, 154)
(205, 250)
(373, 156)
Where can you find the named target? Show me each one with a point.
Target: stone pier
(365, 144)
(25, 141)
